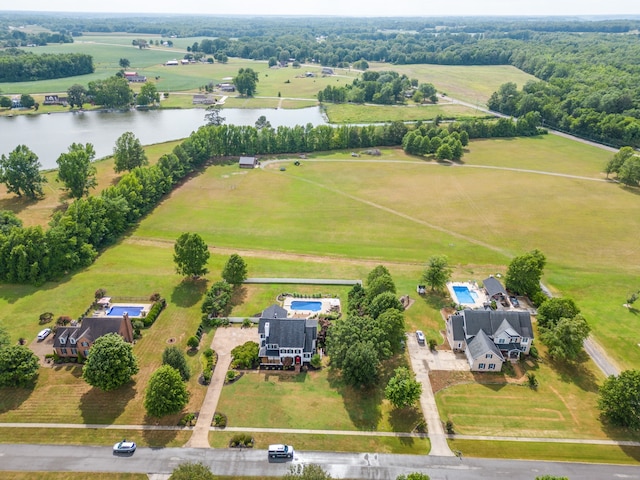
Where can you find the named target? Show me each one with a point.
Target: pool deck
(473, 287)
(328, 305)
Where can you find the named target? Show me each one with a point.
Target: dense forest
(20, 66)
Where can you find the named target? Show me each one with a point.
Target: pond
(50, 135)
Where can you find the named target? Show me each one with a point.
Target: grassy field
(550, 452)
(334, 443)
(270, 393)
(474, 84)
(351, 113)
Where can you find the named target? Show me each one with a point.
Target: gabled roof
(493, 286)
(481, 344)
(284, 332)
(90, 328)
(490, 321)
(506, 328)
(457, 327)
(274, 311)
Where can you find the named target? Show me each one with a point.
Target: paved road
(600, 357)
(255, 463)
(304, 281)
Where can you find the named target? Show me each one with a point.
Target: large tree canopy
(437, 273)
(524, 273)
(246, 81)
(18, 366)
(166, 393)
(20, 172)
(403, 390)
(235, 270)
(110, 364)
(191, 255)
(128, 153)
(174, 357)
(552, 310)
(619, 399)
(76, 169)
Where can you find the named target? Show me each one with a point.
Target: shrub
(532, 380)
(219, 420)
(432, 344)
(449, 427)
(193, 342)
(316, 361)
(155, 297)
(241, 440)
(99, 293)
(188, 420)
(246, 323)
(154, 311)
(64, 320)
(245, 355)
(46, 317)
(232, 375)
(533, 352)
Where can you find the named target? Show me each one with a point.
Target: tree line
(20, 66)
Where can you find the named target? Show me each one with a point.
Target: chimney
(266, 330)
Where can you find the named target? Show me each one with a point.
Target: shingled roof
(490, 321)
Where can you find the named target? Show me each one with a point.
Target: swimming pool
(306, 305)
(119, 310)
(464, 295)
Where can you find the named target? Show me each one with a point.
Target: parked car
(124, 447)
(514, 301)
(280, 451)
(44, 333)
(420, 337)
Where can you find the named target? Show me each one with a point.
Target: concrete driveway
(42, 348)
(435, 360)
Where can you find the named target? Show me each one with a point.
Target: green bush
(245, 356)
(316, 361)
(188, 420)
(232, 375)
(206, 377)
(193, 342)
(154, 311)
(246, 323)
(241, 440)
(432, 344)
(533, 352)
(219, 420)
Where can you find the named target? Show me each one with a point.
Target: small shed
(248, 162)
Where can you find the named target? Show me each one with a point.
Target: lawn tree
(174, 357)
(356, 300)
(552, 310)
(20, 172)
(166, 393)
(391, 322)
(377, 272)
(76, 170)
(564, 340)
(246, 81)
(383, 302)
(310, 471)
(76, 95)
(191, 255)
(380, 284)
(618, 160)
(245, 355)
(111, 363)
(262, 122)
(631, 299)
(414, 476)
(124, 63)
(214, 115)
(192, 471)
(128, 153)
(235, 270)
(112, 92)
(361, 365)
(524, 273)
(629, 173)
(619, 399)
(27, 100)
(148, 94)
(5, 339)
(217, 301)
(18, 366)
(403, 390)
(437, 273)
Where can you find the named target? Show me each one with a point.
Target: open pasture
(473, 84)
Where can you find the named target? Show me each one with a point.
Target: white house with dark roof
(489, 337)
(286, 341)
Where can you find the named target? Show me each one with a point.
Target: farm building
(248, 162)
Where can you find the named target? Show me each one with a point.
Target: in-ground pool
(306, 305)
(119, 310)
(464, 295)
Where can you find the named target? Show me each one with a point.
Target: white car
(43, 334)
(124, 447)
(420, 337)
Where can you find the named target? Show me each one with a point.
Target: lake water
(50, 135)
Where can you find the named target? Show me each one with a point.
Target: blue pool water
(120, 310)
(306, 306)
(464, 295)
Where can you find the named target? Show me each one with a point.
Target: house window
(63, 351)
(85, 344)
(86, 353)
(492, 366)
(489, 355)
(272, 346)
(72, 340)
(481, 366)
(74, 351)
(524, 340)
(501, 340)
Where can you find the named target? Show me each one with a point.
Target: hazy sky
(339, 7)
